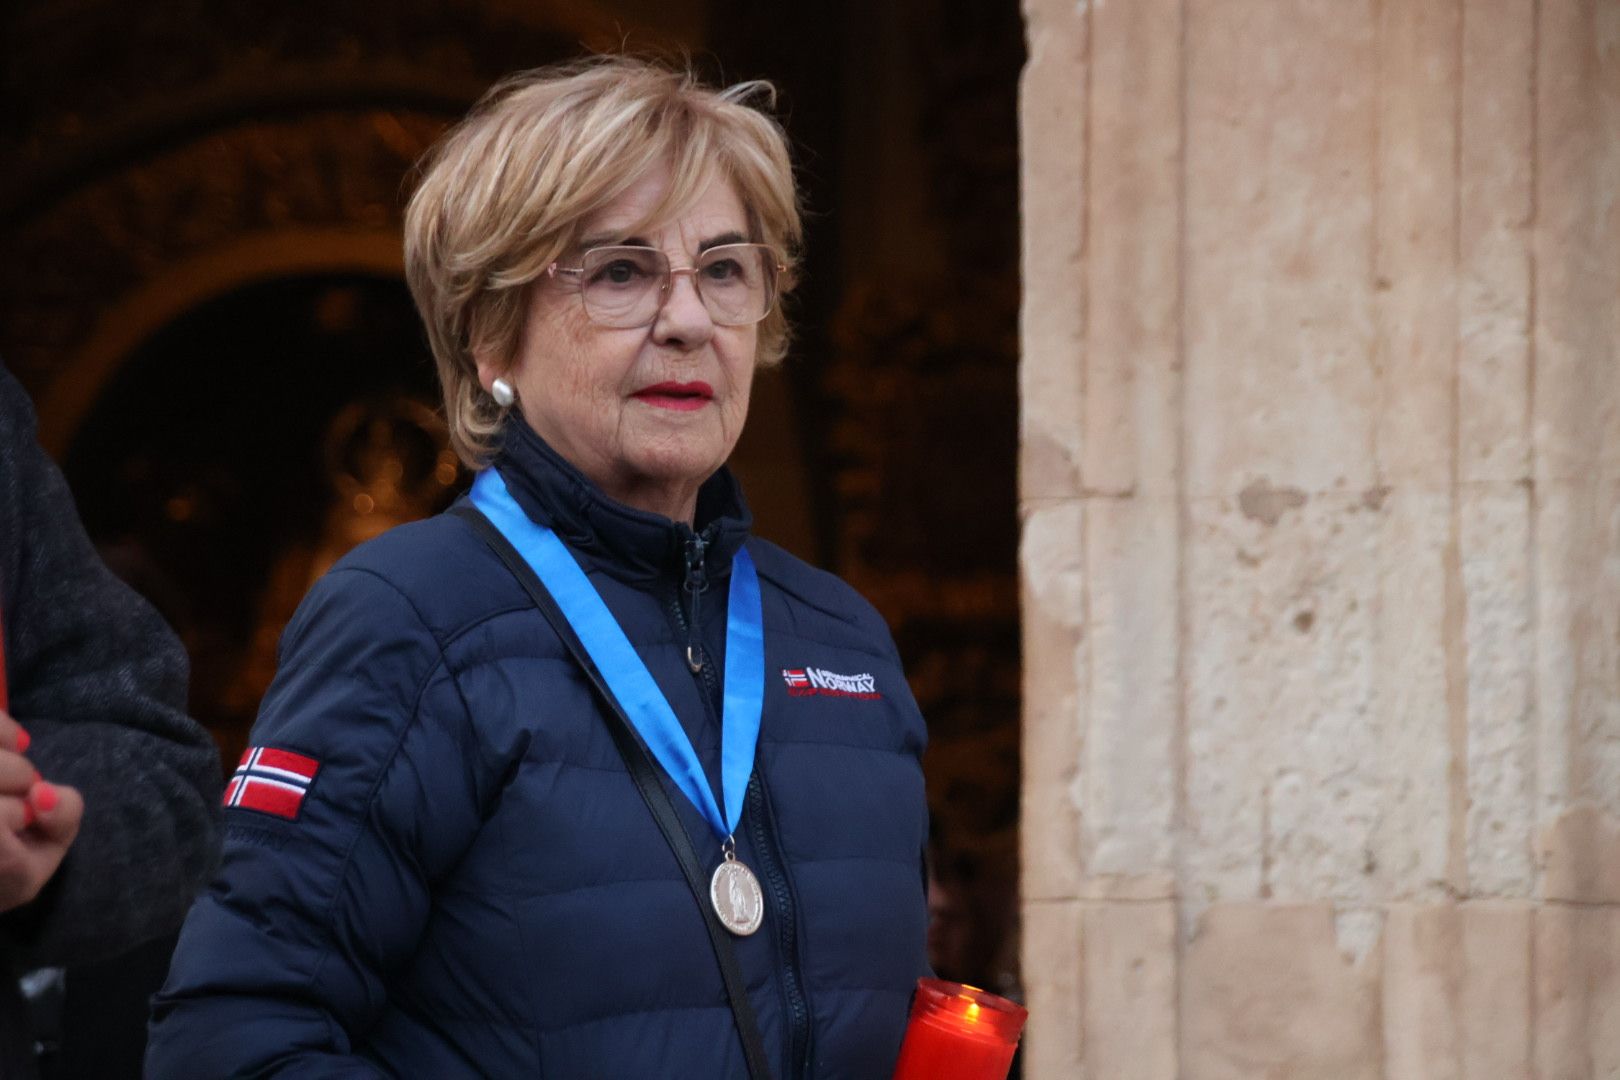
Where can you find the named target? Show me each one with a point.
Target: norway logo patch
(271, 781)
(813, 682)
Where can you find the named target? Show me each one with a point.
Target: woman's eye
(723, 270)
(618, 272)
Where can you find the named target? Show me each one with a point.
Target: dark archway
(226, 460)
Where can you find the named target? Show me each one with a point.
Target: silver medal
(734, 892)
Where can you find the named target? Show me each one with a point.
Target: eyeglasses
(625, 286)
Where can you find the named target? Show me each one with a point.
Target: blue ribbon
(627, 676)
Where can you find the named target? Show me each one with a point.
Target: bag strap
(644, 772)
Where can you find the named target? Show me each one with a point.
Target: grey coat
(99, 681)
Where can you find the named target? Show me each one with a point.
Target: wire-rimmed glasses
(625, 285)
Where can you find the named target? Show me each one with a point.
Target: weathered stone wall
(1321, 551)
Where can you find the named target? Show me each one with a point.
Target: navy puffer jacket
(470, 885)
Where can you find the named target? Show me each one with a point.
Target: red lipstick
(679, 396)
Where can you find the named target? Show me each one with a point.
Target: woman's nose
(683, 319)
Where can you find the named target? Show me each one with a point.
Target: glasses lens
(738, 283)
(621, 285)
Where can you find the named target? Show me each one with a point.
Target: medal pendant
(734, 891)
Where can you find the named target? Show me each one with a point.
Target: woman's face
(648, 413)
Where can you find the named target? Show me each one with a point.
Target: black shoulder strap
(644, 772)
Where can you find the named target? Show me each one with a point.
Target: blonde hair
(506, 191)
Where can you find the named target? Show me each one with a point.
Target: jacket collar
(632, 545)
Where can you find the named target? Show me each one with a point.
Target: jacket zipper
(756, 811)
(776, 881)
(696, 584)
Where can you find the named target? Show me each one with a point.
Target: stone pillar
(1321, 539)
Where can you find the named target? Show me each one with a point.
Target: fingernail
(23, 739)
(44, 797)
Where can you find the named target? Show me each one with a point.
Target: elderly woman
(579, 779)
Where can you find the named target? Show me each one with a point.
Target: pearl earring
(502, 392)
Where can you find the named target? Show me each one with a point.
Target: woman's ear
(488, 369)
(496, 379)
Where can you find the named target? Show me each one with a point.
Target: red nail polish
(45, 798)
(28, 814)
(23, 739)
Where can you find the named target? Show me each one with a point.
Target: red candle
(959, 1033)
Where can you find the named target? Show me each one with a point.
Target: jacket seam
(899, 751)
(827, 643)
(813, 860)
(382, 773)
(620, 1014)
(538, 897)
(782, 584)
(517, 923)
(479, 620)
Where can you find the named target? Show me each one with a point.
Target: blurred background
(200, 207)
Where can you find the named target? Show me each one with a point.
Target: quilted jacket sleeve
(283, 963)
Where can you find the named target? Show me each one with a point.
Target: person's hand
(38, 821)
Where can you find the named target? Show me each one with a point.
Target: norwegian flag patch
(271, 781)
